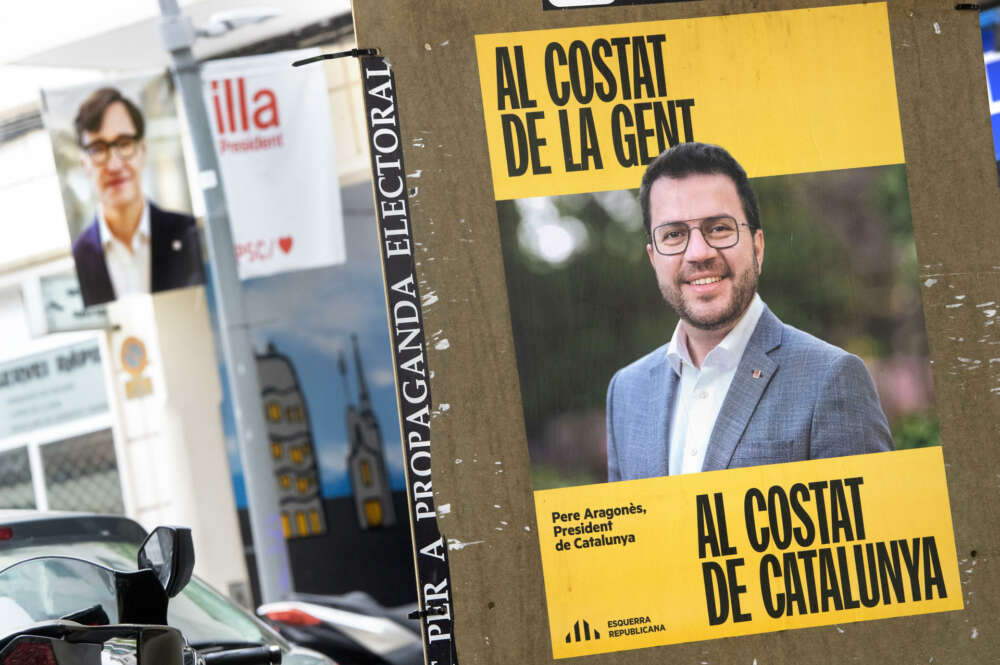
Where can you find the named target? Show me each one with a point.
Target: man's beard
(744, 288)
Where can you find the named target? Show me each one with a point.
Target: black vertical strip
(409, 354)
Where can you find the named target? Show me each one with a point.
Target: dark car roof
(22, 527)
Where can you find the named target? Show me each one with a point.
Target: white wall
(14, 333)
(173, 452)
(33, 221)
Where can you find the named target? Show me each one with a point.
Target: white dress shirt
(128, 266)
(700, 392)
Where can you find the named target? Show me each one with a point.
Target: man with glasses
(734, 386)
(132, 246)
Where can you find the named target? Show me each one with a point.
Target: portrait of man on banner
(734, 386)
(124, 189)
(802, 338)
(656, 332)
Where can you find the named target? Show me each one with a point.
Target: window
(81, 474)
(16, 490)
(57, 450)
(373, 512)
(72, 473)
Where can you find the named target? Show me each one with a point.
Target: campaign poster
(270, 125)
(328, 397)
(119, 158)
(738, 345)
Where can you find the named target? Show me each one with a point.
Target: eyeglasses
(124, 146)
(719, 233)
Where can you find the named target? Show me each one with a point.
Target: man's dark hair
(686, 159)
(91, 113)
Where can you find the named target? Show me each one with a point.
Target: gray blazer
(811, 400)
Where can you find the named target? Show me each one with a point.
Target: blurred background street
(124, 407)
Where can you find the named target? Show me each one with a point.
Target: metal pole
(273, 572)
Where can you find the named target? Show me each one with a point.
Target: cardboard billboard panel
(118, 155)
(827, 461)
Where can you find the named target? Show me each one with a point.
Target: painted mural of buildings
(292, 448)
(365, 458)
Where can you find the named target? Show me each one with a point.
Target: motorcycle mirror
(169, 552)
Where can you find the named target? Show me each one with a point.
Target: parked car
(209, 621)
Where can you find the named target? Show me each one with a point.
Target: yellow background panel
(660, 576)
(785, 92)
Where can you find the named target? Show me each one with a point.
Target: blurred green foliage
(917, 430)
(550, 476)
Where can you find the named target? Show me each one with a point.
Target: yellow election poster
(660, 561)
(715, 305)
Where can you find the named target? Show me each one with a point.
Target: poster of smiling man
(121, 169)
(714, 296)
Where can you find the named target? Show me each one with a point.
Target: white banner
(274, 141)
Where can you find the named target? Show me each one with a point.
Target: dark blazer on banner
(175, 257)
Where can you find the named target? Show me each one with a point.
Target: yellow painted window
(273, 412)
(286, 525)
(286, 481)
(366, 473)
(300, 518)
(303, 485)
(276, 450)
(296, 455)
(373, 512)
(294, 414)
(314, 521)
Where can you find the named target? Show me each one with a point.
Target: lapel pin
(756, 374)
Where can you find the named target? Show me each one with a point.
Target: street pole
(273, 572)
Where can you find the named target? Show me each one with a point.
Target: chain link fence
(16, 490)
(81, 474)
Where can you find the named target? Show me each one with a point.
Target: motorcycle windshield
(202, 614)
(54, 587)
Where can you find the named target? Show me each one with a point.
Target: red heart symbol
(285, 244)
